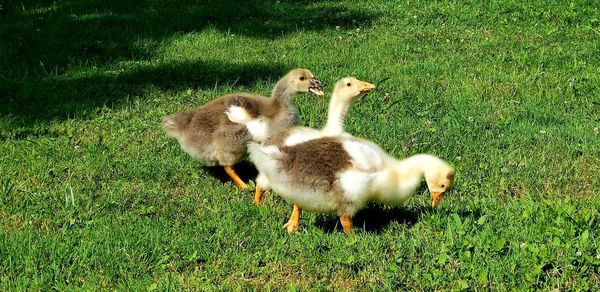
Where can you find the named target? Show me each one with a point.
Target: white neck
(335, 116)
(416, 164)
(397, 182)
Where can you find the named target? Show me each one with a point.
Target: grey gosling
(209, 136)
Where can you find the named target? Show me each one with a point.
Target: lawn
(93, 194)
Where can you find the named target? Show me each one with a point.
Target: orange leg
(294, 223)
(258, 196)
(346, 223)
(236, 179)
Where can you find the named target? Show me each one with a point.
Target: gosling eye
(349, 84)
(443, 186)
(302, 78)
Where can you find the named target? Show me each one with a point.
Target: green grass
(94, 195)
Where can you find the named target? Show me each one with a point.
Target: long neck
(282, 94)
(335, 116)
(383, 182)
(285, 113)
(397, 182)
(416, 164)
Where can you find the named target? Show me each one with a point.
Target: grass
(93, 195)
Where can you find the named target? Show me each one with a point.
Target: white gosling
(341, 175)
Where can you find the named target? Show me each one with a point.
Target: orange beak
(365, 87)
(436, 197)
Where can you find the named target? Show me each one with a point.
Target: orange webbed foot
(293, 223)
(235, 178)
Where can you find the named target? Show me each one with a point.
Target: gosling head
(349, 88)
(302, 80)
(439, 177)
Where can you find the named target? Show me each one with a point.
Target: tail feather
(170, 127)
(270, 152)
(174, 124)
(265, 157)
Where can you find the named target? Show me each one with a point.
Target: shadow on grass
(43, 40)
(376, 218)
(59, 98)
(245, 170)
